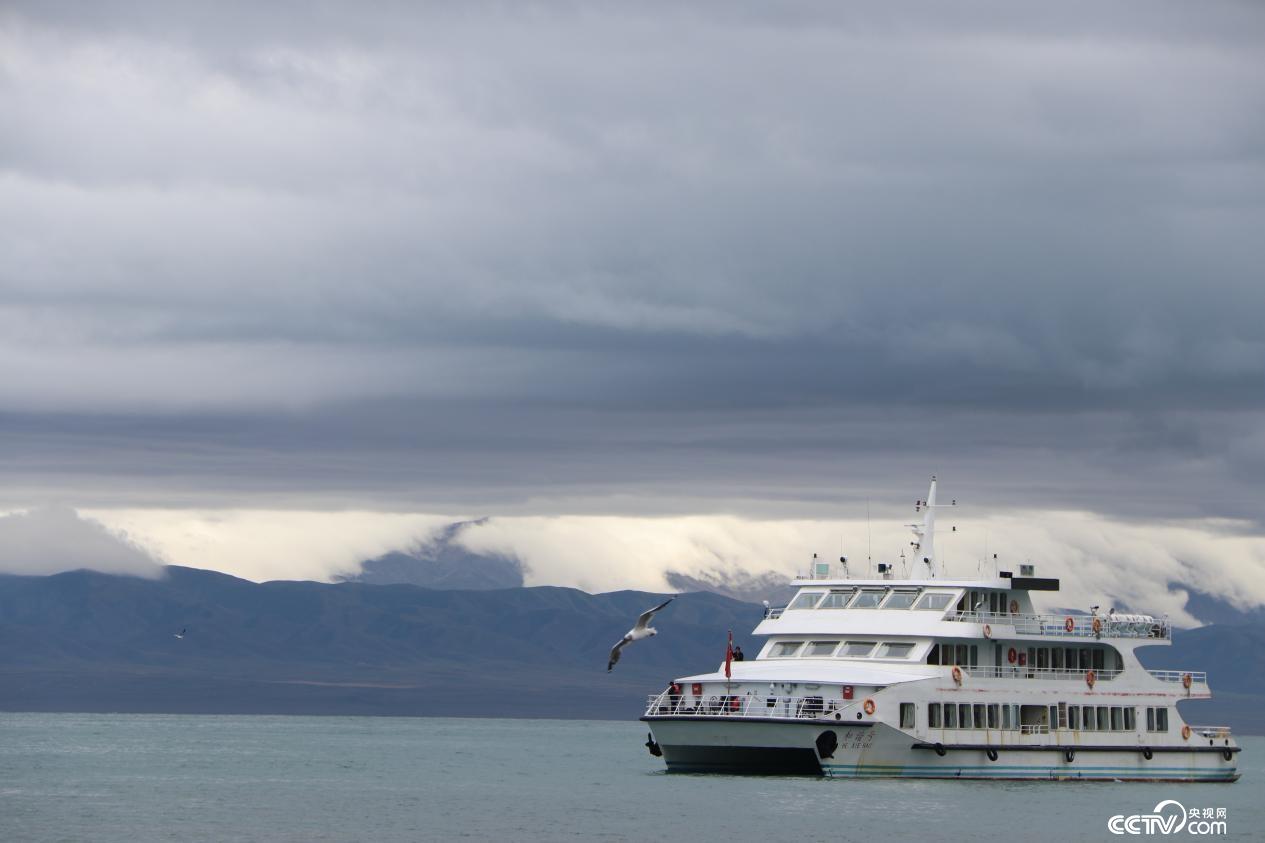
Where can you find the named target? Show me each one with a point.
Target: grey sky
(605, 258)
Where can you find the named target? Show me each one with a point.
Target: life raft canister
(734, 703)
(1186, 680)
(988, 631)
(1069, 624)
(868, 705)
(1012, 656)
(957, 674)
(1090, 678)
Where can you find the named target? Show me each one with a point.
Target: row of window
(975, 601)
(872, 598)
(1041, 658)
(1039, 718)
(841, 649)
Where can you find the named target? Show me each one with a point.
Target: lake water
(168, 777)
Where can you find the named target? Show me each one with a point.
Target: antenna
(869, 554)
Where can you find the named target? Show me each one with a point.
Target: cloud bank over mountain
(54, 539)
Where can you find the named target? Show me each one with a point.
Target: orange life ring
(1186, 680)
(988, 631)
(1090, 678)
(868, 705)
(1012, 655)
(1097, 625)
(957, 674)
(1014, 607)
(1069, 624)
(1185, 733)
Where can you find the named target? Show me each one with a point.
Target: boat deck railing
(1014, 671)
(1186, 677)
(761, 707)
(1082, 626)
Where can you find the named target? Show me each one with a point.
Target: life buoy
(868, 706)
(957, 674)
(1090, 678)
(1185, 733)
(1012, 656)
(1069, 624)
(1186, 680)
(988, 631)
(1097, 626)
(1014, 607)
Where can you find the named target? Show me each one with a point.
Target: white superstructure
(936, 677)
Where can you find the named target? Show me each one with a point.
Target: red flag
(729, 655)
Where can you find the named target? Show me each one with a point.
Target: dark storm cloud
(497, 255)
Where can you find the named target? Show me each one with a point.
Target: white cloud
(264, 545)
(50, 540)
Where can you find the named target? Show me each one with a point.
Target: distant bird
(181, 633)
(638, 632)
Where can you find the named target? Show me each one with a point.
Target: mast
(924, 543)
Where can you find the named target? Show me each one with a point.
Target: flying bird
(638, 632)
(181, 633)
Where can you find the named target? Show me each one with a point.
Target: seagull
(181, 633)
(638, 632)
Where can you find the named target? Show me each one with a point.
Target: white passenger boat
(931, 677)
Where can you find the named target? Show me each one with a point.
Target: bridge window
(934, 601)
(933, 655)
(837, 599)
(785, 649)
(869, 598)
(857, 649)
(901, 600)
(893, 650)
(805, 600)
(820, 649)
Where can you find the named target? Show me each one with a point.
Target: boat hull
(837, 750)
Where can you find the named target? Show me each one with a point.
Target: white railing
(745, 705)
(1013, 671)
(1211, 731)
(1197, 677)
(775, 613)
(1082, 625)
(1034, 729)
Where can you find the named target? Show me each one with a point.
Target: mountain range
(85, 641)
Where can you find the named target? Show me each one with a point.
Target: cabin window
(1104, 719)
(933, 715)
(1074, 717)
(1161, 719)
(934, 601)
(964, 716)
(1087, 718)
(895, 651)
(1062, 715)
(980, 718)
(1085, 662)
(901, 600)
(1130, 719)
(950, 716)
(857, 649)
(785, 649)
(1098, 659)
(1056, 658)
(805, 600)
(933, 655)
(1117, 719)
(869, 598)
(1150, 720)
(837, 599)
(820, 648)
(962, 654)
(907, 715)
(992, 602)
(992, 715)
(1006, 720)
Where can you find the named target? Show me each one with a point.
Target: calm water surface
(168, 777)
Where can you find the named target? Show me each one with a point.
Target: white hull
(878, 750)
